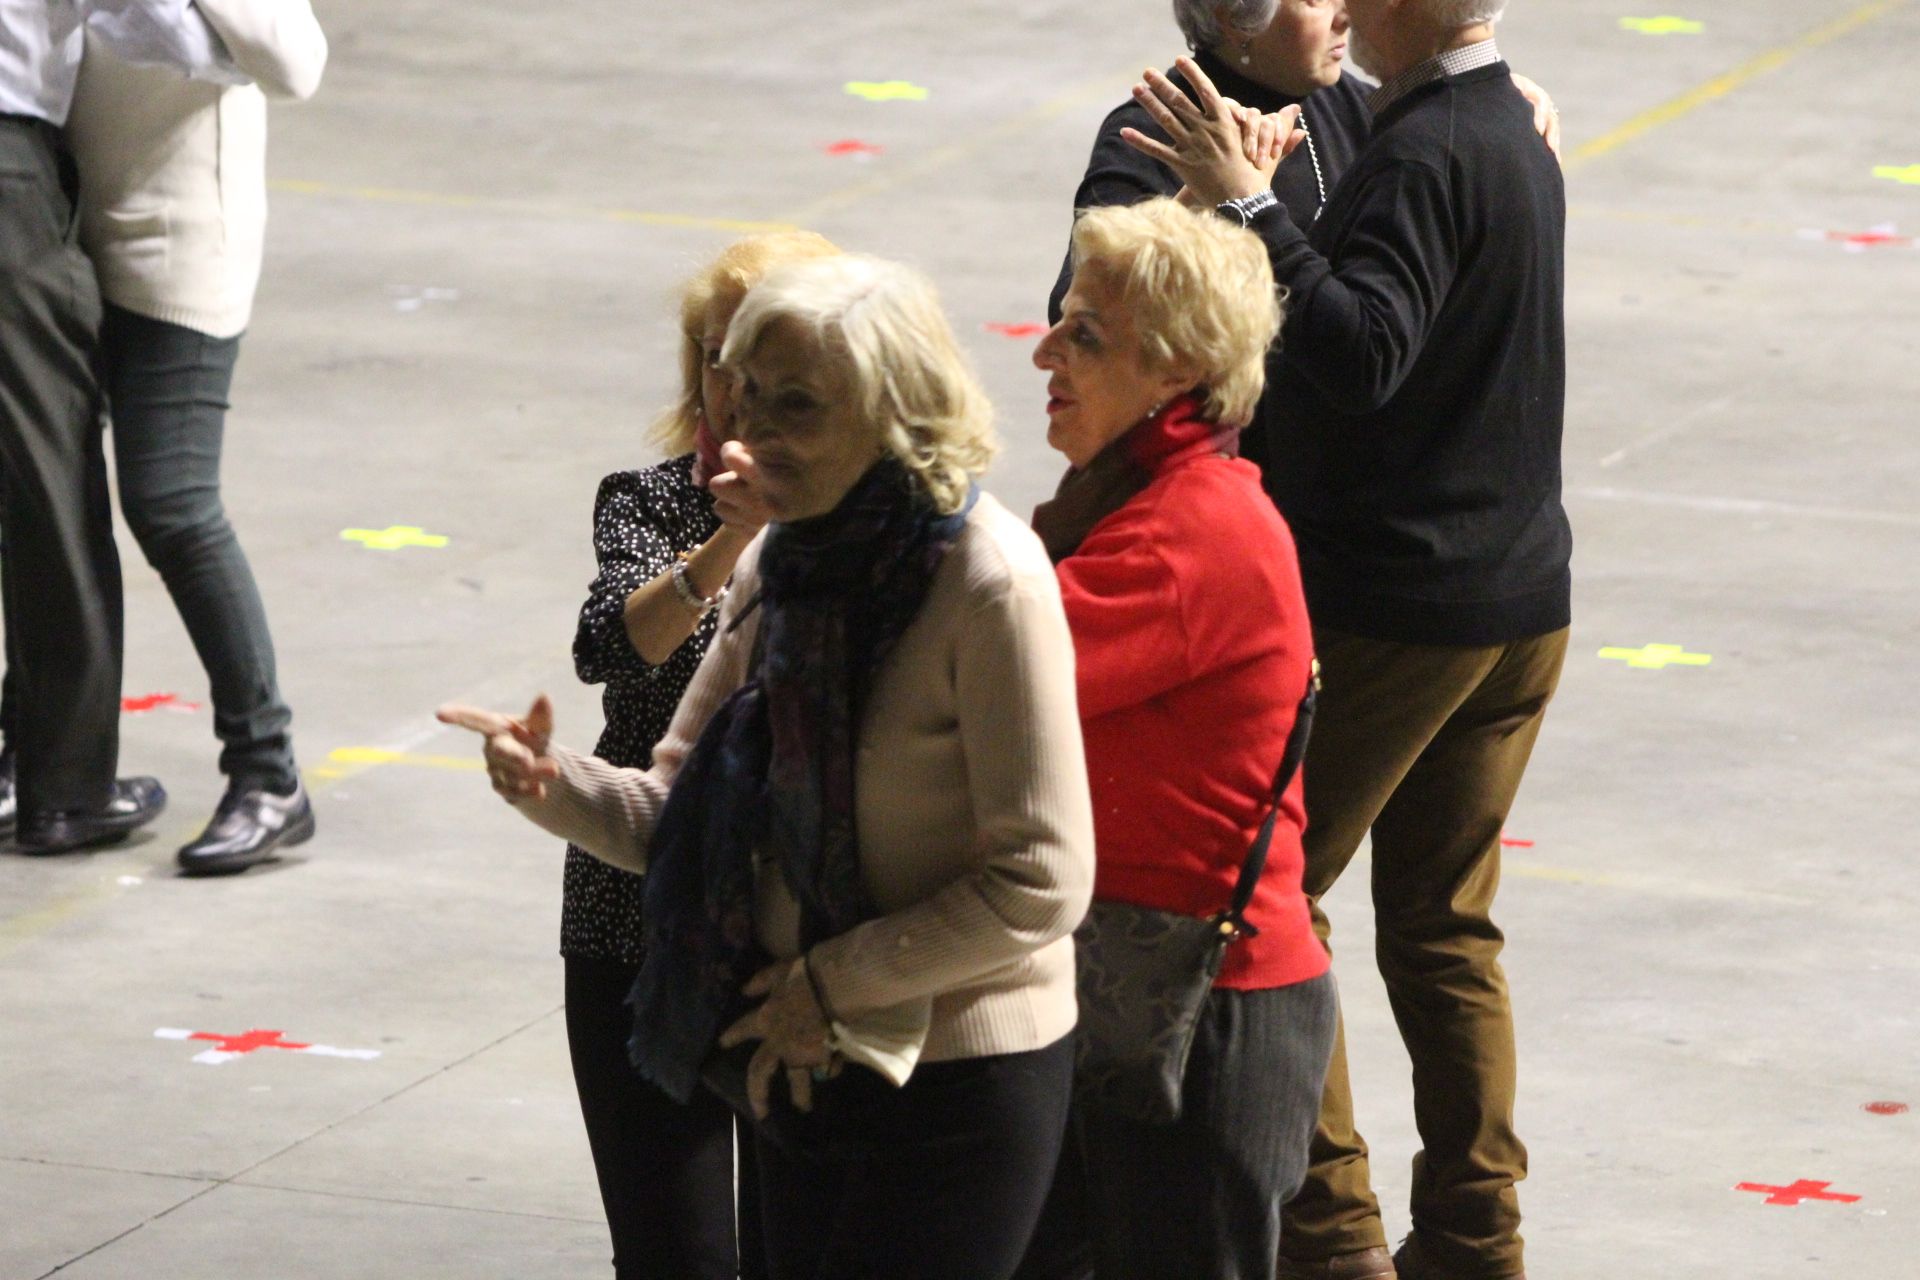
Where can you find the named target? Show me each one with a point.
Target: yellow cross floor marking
(887, 90)
(1665, 25)
(535, 208)
(1656, 656)
(394, 537)
(1906, 174)
(1721, 86)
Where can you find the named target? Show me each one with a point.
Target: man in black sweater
(1412, 439)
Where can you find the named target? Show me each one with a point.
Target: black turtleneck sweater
(1337, 117)
(1412, 428)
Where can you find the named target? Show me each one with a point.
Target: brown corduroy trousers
(1424, 746)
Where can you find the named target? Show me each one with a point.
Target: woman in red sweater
(1193, 652)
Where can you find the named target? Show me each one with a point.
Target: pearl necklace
(1313, 154)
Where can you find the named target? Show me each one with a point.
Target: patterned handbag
(1144, 975)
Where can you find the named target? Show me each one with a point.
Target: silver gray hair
(1454, 14)
(1200, 20)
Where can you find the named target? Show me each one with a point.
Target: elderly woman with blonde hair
(666, 538)
(866, 834)
(1193, 658)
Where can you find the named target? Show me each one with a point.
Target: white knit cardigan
(173, 203)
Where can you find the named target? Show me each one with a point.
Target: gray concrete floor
(465, 322)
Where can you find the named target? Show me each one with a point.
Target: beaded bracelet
(684, 588)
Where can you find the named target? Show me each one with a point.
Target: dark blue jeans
(167, 391)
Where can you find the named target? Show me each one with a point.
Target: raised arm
(1356, 334)
(277, 42)
(1026, 769)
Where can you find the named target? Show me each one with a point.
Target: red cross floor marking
(852, 147)
(1025, 329)
(226, 1047)
(150, 701)
(1886, 1108)
(248, 1041)
(1794, 1194)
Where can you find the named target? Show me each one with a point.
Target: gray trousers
(1200, 1198)
(62, 577)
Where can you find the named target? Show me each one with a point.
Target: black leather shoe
(135, 803)
(248, 827)
(9, 794)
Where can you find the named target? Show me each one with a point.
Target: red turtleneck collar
(1176, 434)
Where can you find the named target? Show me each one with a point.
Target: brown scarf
(1087, 495)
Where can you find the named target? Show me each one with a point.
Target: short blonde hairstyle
(1200, 292)
(910, 378)
(723, 283)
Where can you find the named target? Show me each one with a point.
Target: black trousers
(62, 578)
(941, 1179)
(167, 390)
(665, 1170)
(1200, 1198)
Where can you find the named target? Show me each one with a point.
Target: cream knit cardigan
(971, 804)
(173, 182)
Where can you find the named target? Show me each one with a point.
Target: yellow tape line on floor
(1721, 86)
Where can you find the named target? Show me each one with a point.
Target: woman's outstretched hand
(793, 1034)
(516, 748)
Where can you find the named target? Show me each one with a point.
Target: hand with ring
(793, 1032)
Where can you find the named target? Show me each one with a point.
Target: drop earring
(1246, 51)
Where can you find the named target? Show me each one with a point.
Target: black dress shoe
(248, 827)
(134, 803)
(9, 794)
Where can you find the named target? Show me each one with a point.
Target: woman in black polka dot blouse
(666, 539)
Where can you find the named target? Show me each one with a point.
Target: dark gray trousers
(1200, 1198)
(167, 389)
(62, 577)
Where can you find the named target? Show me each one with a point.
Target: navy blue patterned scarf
(774, 768)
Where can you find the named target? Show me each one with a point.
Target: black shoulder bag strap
(1256, 863)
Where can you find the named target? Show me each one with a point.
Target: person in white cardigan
(173, 214)
(867, 834)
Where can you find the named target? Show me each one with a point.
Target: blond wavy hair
(910, 378)
(722, 283)
(1200, 292)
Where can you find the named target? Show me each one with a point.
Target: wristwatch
(1246, 208)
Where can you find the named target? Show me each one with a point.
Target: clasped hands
(1225, 151)
(1220, 149)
